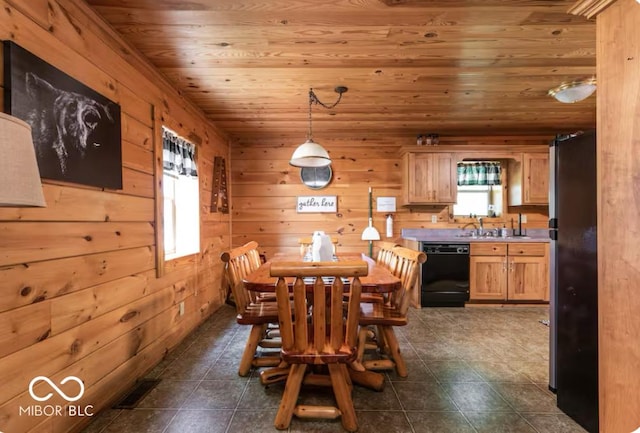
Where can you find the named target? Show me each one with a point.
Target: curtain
(178, 155)
(478, 173)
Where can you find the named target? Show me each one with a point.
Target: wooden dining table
(379, 280)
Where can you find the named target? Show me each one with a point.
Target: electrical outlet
(181, 308)
(434, 219)
(524, 218)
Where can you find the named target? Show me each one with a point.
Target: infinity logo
(58, 390)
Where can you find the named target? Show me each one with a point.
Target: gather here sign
(317, 203)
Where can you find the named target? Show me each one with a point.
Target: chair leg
(382, 344)
(290, 396)
(257, 331)
(394, 348)
(342, 392)
(362, 341)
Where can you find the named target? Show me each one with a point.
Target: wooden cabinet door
(528, 278)
(420, 170)
(487, 278)
(445, 182)
(430, 178)
(536, 178)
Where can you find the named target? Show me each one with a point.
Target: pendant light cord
(313, 99)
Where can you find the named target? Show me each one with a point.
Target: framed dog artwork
(76, 131)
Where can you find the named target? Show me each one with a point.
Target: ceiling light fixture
(574, 91)
(310, 153)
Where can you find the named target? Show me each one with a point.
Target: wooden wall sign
(220, 199)
(317, 203)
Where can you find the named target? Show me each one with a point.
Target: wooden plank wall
(618, 148)
(79, 293)
(265, 187)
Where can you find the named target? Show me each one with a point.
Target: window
(181, 197)
(479, 189)
(479, 200)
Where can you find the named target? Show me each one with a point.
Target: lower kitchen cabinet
(509, 272)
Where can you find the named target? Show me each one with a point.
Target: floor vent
(135, 396)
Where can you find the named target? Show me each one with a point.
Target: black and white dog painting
(76, 131)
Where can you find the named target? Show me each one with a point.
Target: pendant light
(310, 153)
(370, 233)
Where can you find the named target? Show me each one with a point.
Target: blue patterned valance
(178, 155)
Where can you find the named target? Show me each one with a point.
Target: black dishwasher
(445, 275)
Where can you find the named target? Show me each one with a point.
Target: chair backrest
(329, 336)
(239, 262)
(306, 242)
(385, 253)
(406, 266)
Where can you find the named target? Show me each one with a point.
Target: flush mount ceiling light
(574, 91)
(310, 153)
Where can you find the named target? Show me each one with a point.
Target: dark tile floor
(475, 369)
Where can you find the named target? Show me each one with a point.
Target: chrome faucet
(474, 232)
(481, 228)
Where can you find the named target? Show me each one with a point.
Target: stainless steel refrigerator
(573, 365)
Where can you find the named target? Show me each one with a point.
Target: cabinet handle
(511, 266)
(504, 265)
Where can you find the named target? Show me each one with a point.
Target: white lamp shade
(569, 93)
(310, 154)
(19, 175)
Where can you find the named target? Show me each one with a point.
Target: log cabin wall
(618, 151)
(80, 294)
(265, 187)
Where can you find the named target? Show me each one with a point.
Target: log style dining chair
(385, 253)
(383, 257)
(252, 310)
(318, 330)
(405, 264)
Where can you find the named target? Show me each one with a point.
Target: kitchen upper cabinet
(509, 272)
(429, 178)
(528, 180)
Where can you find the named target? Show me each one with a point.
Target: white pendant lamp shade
(576, 91)
(19, 175)
(310, 154)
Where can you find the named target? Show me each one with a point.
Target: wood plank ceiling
(452, 67)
